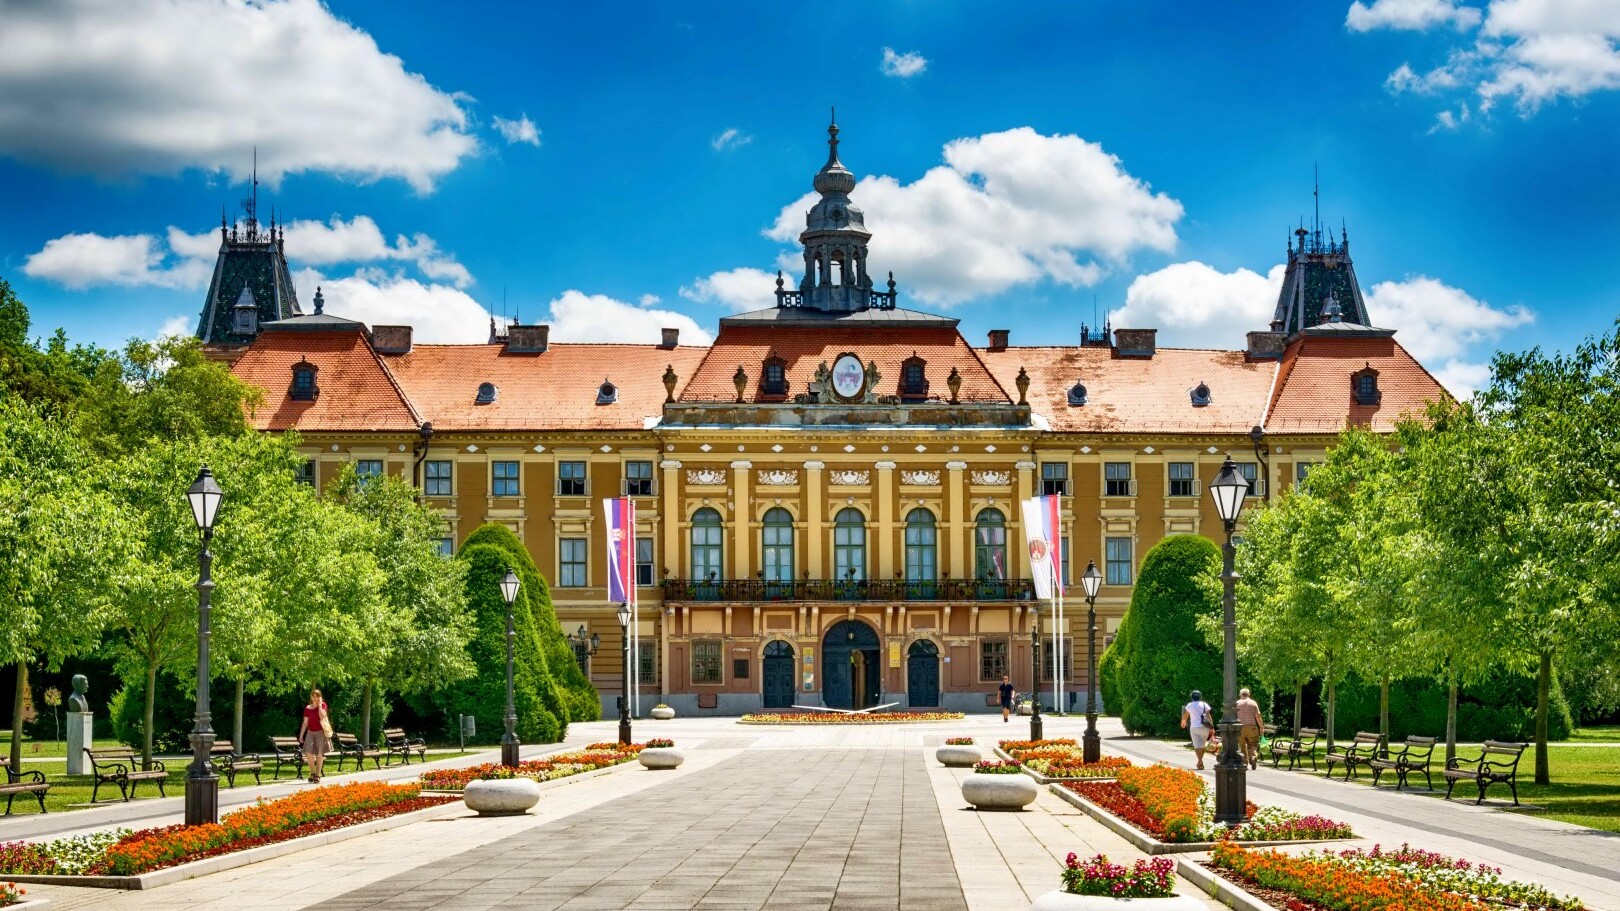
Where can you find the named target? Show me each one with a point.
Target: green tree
(164, 390)
(53, 375)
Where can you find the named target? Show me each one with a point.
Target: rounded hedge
(1500, 707)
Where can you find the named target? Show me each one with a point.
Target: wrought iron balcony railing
(746, 590)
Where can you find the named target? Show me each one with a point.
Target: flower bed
(561, 765)
(1096, 876)
(848, 718)
(659, 743)
(128, 853)
(996, 767)
(959, 741)
(1013, 746)
(1062, 758)
(11, 894)
(1173, 806)
(1378, 880)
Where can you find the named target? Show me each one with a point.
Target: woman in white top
(1196, 720)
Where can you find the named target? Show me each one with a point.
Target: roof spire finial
(320, 301)
(832, 139)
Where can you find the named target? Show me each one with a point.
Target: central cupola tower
(835, 274)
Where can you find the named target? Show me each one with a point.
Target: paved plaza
(793, 818)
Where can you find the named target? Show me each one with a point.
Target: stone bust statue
(78, 702)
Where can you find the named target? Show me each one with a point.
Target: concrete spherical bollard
(502, 796)
(958, 756)
(663, 712)
(661, 757)
(1067, 901)
(999, 792)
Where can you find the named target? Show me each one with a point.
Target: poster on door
(894, 654)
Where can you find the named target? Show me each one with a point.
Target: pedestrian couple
(1199, 721)
(315, 735)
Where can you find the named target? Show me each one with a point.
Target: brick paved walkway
(854, 830)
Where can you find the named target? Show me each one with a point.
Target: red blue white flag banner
(1043, 531)
(621, 549)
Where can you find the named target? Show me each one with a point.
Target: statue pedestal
(78, 737)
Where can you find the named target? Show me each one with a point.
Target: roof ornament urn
(954, 381)
(1023, 386)
(670, 379)
(740, 380)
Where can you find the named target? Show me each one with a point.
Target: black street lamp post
(585, 644)
(1231, 775)
(202, 785)
(1091, 744)
(624, 691)
(509, 740)
(1035, 723)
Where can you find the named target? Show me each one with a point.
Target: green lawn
(35, 749)
(1603, 734)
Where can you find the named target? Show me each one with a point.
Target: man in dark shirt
(1007, 692)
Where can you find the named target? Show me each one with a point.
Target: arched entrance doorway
(922, 674)
(778, 675)
(850, 666)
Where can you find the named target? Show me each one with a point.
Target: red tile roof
(1139, 395)
(356, 391)
(804, 348)
(1313, 393)
(554, 390)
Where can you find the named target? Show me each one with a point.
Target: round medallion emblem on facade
(848, 377)
(1038, 551)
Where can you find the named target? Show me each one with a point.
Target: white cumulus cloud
(80, 261)
(730, 138)
(1410, 14)
(580, 317)
(739, 289)
(519, 130)
(438, 313)
(1438, 322)
(1005, 209)
(1194, 305)
(903, 66)
(162, 86)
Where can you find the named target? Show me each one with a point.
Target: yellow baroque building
(827, 496)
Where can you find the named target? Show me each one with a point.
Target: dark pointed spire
(320, 300)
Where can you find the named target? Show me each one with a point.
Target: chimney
(527, 339)
(1135, 342)
(998, 340)
(1265, 346)
(391, 339)
(672, 338)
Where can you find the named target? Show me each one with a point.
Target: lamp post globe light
(1036, 726)
(624, 691)
(509, 740)
(202, 785)
(1091, 744)
(1231, 776)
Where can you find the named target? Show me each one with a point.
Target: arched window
(486, 394)
(990, 546)
(776, 554)
(607, 393)
(707, 553)
(773, 379)
(922, 546)
(303, 382)
(914, 377)
(1077, 394)
(1364, 384)
(849, 545)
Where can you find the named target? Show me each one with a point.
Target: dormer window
(304, 388)
(773, 378)
(1077, 394)
(607, 393)
(486, 394)
(247, 321)
(1200, 394)
(914, 377)
(1364, 386)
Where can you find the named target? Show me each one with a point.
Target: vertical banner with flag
(621, 558)
(1043, 531)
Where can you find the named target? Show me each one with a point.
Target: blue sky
(616, 168)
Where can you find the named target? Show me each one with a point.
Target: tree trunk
(1543, 691)
(15, 760)
(236, 722)
(1383, 713)
(365, 715)
(1299, 707)
(1332, 704)
(146, 729)
(1451, 721)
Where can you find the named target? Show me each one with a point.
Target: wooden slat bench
(31, 781)
(349, 747)
(399, 744)
(289, 752)
(1361, 751)
(1497, 763)
(115, 766)
(228, 762)
(1412, 756)
(1296, 749)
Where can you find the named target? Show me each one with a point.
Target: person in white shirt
(1197, 720)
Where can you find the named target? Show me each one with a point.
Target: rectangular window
(306, 473)
(572, 557)
(1117, 480)
(1250, 472)
(992, 659)
(1054, 479)
(570, 479)
(1302, 470)
(366, 469)
(706, 661)
(447, 547)
(644, 562)
(1118, 557)
(506, 484)
(1183, 479)
(638, 479)
(648, 660)
(1067, 579)
(739, 668)
(436, 478)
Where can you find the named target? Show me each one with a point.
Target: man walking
(1196, 720)
(1007, 692)
(1250, 724)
